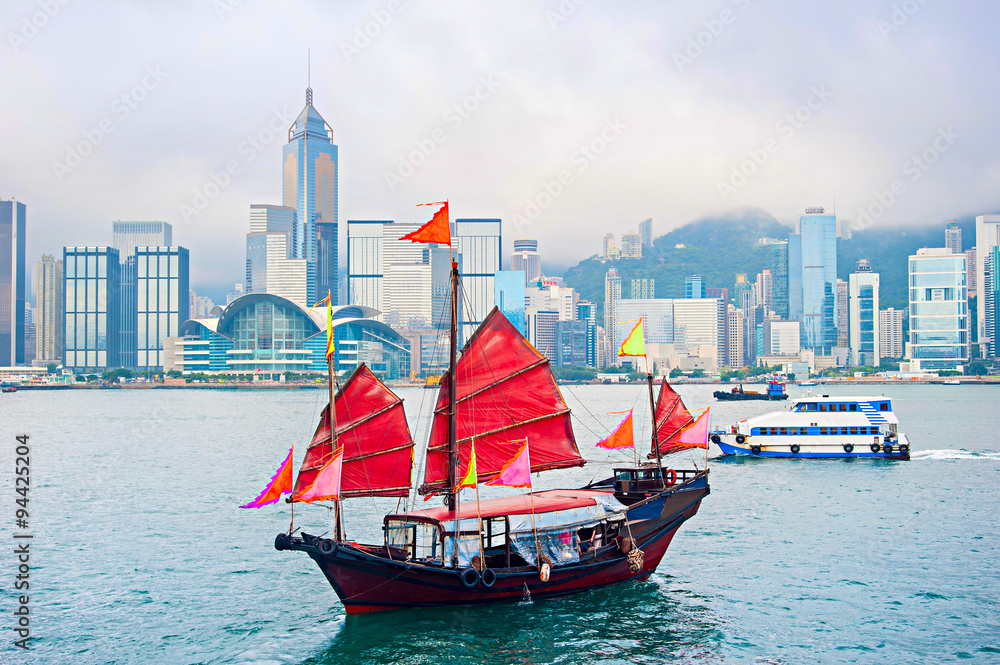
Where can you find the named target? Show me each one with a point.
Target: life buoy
(716, 439)
(740, 438)
(795, 449)
(671, 477)
(755, 449)
(874, 447)
(903, 448)
(848, 447)
(887, 449)
(470, 577)
(488, 578)
(544, 572)
(326, 546)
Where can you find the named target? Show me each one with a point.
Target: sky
(568, 119)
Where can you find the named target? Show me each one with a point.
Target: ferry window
(823, 431)
(843, 430)
(803, 430)
(812, 407)
(854, 430)
(854, 407)
(784, 431)
(774, 431)
(843, 407)
(883, 406)
(822, 407)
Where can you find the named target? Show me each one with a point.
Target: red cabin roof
(548, 501)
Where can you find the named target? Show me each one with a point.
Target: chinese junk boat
(499, 417)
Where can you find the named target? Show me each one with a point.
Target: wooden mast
(333, 414)
(652, 413)
(452, 444)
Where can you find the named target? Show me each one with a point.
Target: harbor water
(140, 554)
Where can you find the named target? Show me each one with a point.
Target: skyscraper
(270, 244)
(953, 237)
(734, 337)
(365, 266)
(891, 333)
(812, 279)
(631, 245)
(586, 311)
(843, 314)
(609, 251)
(646, 232)
(92, 292)
(779, 278)
(478, 242)
(327, 259)
(310, 171)
(509, 297)
(12, 282)
(938, 309)
(527, 259)
(643, 288)
(990, 300)
(864, 323)
(162, 302)
(694, 286)
(987, 237)
(49, 316)
(129, 235)
(612, 294)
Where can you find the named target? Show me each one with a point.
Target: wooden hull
(367, 581)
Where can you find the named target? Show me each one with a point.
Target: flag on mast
(470, 476)
(695, 435)
(622, 437)
(516, 472)
(281, 483)
(634, 344)
(327, 483)
(329, 322)
(438, 230)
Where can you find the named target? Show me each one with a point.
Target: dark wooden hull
(367, 581)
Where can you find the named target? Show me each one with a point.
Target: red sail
(505, 392)
(671, 417)
(371, 426)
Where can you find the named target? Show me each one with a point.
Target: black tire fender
(755, 449)
(903, 448)
(740, 438)
(327, 546)
(488, 578)
(875, 447)
(470, 578)
(887, 449)
(795, 449)
(848, 447)
(716, 439)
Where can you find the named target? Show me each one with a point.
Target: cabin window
(824, 431)
(822, 407)
(883, 406)
(495, 529)
(812, 407)
(843, 407)
(561, 546)
(844, 430)
(854, 430)
(784, 431)
(623, 476)
(803, 430)
(854, 407)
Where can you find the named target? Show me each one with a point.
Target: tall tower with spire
(310, 185)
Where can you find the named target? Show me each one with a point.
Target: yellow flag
(634, 344)
(470, 477)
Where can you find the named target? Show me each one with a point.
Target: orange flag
(281, 483)
(327, 482)
(621, 437)
(437, 230)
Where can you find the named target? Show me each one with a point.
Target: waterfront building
(552, 297)
(601, 345)
(688, 328)
(13, 215)
(365, 267)
(890, 325)
(327, 259)
(843, 314)
(631, 245)
(812, 279)
(527, 259)
(864, 340)
(543, 327)
(162, 301)
(265, 334)
(970, 260)
(586, 311)
(694, 286)
(987, 237)
(734, 337)
(126, 236)
(989, 302)
(953, 237)
(49, 315)
(938, 338)
(571, 344)
(29, 334)
(310, 174)
(646, 232)
(92, 300)
(780, 338)
(270, 263)
(509, 296)
(643, 288)
(779, 278)
(612, 294)
(609, 251)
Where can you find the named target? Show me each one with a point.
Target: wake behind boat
(822, 426)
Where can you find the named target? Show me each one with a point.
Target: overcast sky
(646, 109)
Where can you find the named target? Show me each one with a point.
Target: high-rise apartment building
(631, 245)
(586, 312)
(953, 237)
(890, 325)
(734, 337)
(49, 315)
(987, 237)
(694, 286)
(92, 292)
(129, 235)
(763, 289)
(779, 278)
(646, 232)
(643, 288)
(327, 259)
(990, 301)
(29, 334)
(843, 314)
(612, 294)
(310, 174)
(13, 215)
(609, 250)
(270, 263)
(970, 260)
(812, 279)
(527, 259)
(478, 243)
(365, 267)
(864, 324)
(552, 297)
(938, 309)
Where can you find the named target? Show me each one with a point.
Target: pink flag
(517, 472)
(327, 483)
(696, 434)
(281, 483)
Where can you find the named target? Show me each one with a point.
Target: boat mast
(452, 447)
(652, 412)
(333, 421)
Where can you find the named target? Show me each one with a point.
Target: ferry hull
(368, 582)
(728, 446)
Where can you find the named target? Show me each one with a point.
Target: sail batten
(372, 430)
(504, 392)
(671, 417)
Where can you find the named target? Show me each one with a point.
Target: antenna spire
(309, 90)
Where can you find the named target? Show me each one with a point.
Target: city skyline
(158, 134)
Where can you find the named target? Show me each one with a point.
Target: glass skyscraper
(812, 279)
(864, 338)
(12, 282)
(270, 245)
(364, 263)
(309, 183)
(939, 314)
(477, 241)
(509, 297)
(162, 302)
(129, 235)
(91, 288)
(779, 278)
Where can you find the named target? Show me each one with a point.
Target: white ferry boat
(820, 426)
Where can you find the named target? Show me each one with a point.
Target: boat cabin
(637, 483)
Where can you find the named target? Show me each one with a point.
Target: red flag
(281, 483)
(622, 436)
(437, 230)
(327, 483)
